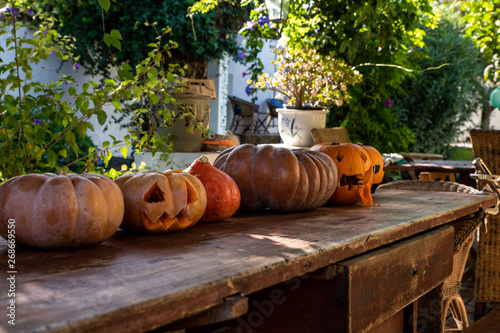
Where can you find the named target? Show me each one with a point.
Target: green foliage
(437, 101)
(482, 24)
(304, 77)
(256, 30)
(374, 37)
(40, 123)
(458, 153)
(200, 38)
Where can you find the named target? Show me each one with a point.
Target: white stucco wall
(238, 83)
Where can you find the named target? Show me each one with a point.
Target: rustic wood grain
(446, 166)
(134, 283)
(490, 323)
(363, 293)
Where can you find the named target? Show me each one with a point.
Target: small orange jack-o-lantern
(377, 163)
(355, 172)
(159, 202)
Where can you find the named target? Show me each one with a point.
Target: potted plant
(310, 83)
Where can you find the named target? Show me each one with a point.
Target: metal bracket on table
(492, 183)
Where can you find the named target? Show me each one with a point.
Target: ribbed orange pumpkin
(223, 195)
(278, 178)
(60, 211)
(159, 202)
(377, 163)
(355, 173)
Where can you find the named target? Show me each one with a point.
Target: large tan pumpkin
(60, 211)
(355, 173)
(278, 178)
(159, 202)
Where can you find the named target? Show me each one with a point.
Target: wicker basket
(486, 144)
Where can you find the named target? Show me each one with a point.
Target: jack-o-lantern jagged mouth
(155, 194)
(351, 181)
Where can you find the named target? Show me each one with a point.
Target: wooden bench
(490, 323)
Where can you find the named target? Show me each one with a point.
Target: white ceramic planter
(295, 125)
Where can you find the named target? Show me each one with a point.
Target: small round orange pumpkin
(158, 202)
(377, 163)
(60, 211)
(223, 195)
(280, 179)
(355, 173)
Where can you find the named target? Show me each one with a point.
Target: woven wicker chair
(242, 109)
(486, 145)
(465, 230)
(272, 105)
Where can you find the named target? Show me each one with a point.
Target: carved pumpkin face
(377, 163)
(160, 202)
(278, 178)
(355, 171)
(61, 211)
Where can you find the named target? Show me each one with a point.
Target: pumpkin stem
(203, 159)
(334, 143)
(62, 173)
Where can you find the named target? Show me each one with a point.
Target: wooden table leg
(430, 311)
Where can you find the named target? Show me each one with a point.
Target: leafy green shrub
(200, 39)
(437, 101)
(374, 37)
(40, 122)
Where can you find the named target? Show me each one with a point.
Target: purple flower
(47, 96)
(248, 90)
(30, 12)
(2, 16)
(37, 121)
(245, 74)
(263, 21)
(53, 53)
(77, 66)
(250, 25)
(65, 82)
(242, 55)
(13, 11)
(388, 102)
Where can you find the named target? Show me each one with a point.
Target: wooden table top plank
(138, 282)
(434, 166)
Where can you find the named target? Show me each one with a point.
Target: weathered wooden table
(211, 272)
(436, 167)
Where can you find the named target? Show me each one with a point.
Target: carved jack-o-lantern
(355, 171)
(377, 163)
(160, 202)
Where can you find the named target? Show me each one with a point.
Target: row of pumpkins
(77, 210)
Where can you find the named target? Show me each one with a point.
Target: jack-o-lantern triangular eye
(155, 194)
(340, 157)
